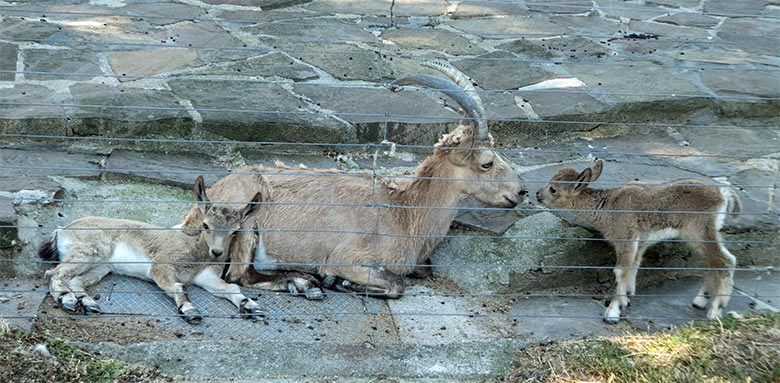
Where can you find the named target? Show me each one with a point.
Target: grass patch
(22, 360)
(727, 350)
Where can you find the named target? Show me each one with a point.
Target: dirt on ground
(41, 357)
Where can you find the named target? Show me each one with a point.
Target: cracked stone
(378, 7)
(751, 83)
(211, 34)
(466, 10)
(625, 10)
(8, 235)
(507, 27)
(8, 54)
(743, 7)
(562, 6)
(163, 13)
(24, 93)
(695, 20)
(341, 61)
(762, 38)
(61, 60)
(676, 3)
(270, 65)
(316, 31)
(502, 72)
(669, 31)
(414, 40)
(151, 62)
(97, 94)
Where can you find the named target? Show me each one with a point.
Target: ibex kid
(92, 247)
(689, 209)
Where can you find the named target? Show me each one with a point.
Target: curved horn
(450, 89)
(466, 83)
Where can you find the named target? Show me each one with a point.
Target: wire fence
(122, 297)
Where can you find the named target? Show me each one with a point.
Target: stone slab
(35, 168)
(21, 298)
(29, 94)
(486, 9)
(175, 168)
(496, 71)
(210, 34)
(379, 7)
(676, 3)
(28, 28)
(62, 61)
(8, 55)
(324, 30)
(746, 7)
(553, 105)
(687, 19)
(562, 6)
(507, 27)
(7, 218)
(447, 318)
(743, 83)
(270, 112)
(151, 62)
(273, 65)
(669, 31)
(762, 38)
(162, 13)
(626, 10)
(429, 39)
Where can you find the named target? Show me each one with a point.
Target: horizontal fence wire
(341, 309)
(311, 173)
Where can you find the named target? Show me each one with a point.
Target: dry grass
(37, 357)
(728, 350)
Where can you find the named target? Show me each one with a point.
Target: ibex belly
(131, 261)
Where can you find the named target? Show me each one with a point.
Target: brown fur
(172, 259)
(644, 229)
(400, 253)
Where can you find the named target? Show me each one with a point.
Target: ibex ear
(200, 194)
(582, 180)
(596, 169)
(250, 207)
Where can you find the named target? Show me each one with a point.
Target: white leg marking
(209, 280)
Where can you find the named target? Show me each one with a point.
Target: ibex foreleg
(165, 277)
(209, 280)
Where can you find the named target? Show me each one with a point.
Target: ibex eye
(552, 190)
(487, 165)
(205, 226)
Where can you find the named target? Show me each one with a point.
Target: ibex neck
(591, 202)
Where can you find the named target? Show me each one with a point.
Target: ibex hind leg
(61, 276)
(78, 287)
(297, 283)
(373, 281)
(165, 277)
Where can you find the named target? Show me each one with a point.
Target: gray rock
(163, 13)
(63, 61)
(174, 169)
(513, 263)
(552, 105)
(128, 115)
(341, 61)
(36, 119)
(762, 38)
(151, 62)
(467, 10)
(497, 71)
(507, 27)
(676, 3)
(271, 113)
(425, 39)
(562, 6)
(589, 24)
(669, 31)
(759, 186)
(747, 83)
(8, 235)
(626, 10)
(29, 28)
(210, 34)
(689, 20)
(378, 7)
(269, 65)
(714, 55)
(23, 304)
(8, 54)
(746, 7)
(327, 31)
(28, 176)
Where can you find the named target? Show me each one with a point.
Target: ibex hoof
(251, 313)
(611, 320)
(314, 294)
(192, 316)
(92, 309)
(73, 306)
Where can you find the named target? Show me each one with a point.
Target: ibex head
(220, 221)
(566, 185)
(468, 147)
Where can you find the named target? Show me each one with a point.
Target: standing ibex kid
(691, 209)
(91, 247)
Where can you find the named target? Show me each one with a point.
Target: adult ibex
(393, 224)
(92, 247)
(691, 209)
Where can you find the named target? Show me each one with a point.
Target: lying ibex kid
(631, 233)
(92, 247)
